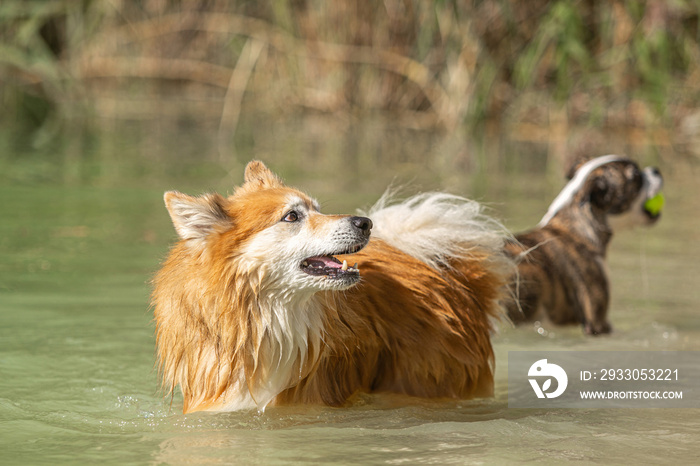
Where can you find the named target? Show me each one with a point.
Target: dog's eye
(291, 216)
(632, 172)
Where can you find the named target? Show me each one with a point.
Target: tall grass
(445, 63)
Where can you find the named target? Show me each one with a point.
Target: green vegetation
(446, 63)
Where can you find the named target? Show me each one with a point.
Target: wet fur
(239, 328)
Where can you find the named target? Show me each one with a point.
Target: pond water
(83, 228)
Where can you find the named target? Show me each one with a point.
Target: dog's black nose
(363, 224)
(655, 171)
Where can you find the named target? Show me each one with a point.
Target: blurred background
(627, 69)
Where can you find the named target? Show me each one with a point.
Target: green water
(83, 228)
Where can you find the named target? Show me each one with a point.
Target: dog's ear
(195, 217)
(601, 195)
(259, 176)
(574, 164)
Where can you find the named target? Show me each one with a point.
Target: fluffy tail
(435, 227)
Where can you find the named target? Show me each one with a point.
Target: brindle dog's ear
(575, 164)
(601, 195)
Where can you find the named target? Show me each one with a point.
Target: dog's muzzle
(654, 201)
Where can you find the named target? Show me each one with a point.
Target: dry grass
(547, 64)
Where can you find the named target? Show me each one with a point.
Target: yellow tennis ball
(653, 205)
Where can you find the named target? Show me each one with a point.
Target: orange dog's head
(233, 301)
(273, 231)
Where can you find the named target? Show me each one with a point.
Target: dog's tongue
(324, 261)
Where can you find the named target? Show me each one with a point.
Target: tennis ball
(653, 205)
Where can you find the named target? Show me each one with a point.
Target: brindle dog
(561, 263)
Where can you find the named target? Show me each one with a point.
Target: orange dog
(253, 308)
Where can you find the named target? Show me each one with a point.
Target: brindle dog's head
(621, 190)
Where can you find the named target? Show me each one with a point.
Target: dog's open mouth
(329, 266)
